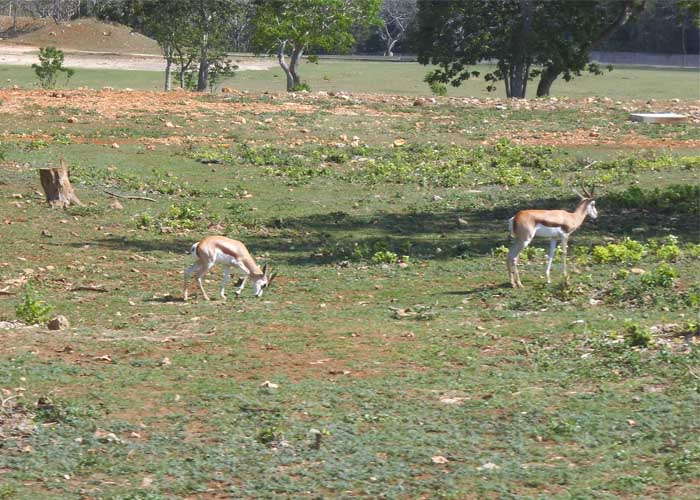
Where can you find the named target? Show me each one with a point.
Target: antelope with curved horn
(557, 225)
(212, 250)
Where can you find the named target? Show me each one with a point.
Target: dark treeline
(662, 27)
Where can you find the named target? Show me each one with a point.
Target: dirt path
(24, 55)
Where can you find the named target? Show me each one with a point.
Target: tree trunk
(516, 80)
(57, 187)
(168, 78)
(285, 66)
(294, 64)
(547, 78)
(203, 75)
(390, 47)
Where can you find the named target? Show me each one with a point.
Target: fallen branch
(88, 288)
(5, 291)
(129, 197)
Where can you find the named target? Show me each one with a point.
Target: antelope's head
(262, 281)
(588, 198)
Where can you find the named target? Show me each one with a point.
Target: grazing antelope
(212, 250)
(557, 225)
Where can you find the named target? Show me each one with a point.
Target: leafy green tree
(50, 65)
(189, 32)
(526, 38)
(291, 27)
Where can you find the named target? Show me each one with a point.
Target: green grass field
(397, 78)
(391, 332)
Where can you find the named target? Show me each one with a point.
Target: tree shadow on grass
(448, 233)
(176, 245)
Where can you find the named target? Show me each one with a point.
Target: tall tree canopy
(292, 27)
(188, 31)
(526, 38)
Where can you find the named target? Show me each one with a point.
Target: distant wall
(647, 59)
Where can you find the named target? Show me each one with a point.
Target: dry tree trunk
(57, 187)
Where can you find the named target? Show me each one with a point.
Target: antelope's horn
(272, 277)
(265, 270)
(577, 193)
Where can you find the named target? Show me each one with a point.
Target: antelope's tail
(193, 250)
(511, 223)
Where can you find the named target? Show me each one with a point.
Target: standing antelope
(212, 250)
(557, 225)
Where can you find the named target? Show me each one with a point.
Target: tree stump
(57, 187)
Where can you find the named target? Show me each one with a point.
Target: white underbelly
(553, 233)
(229, 261)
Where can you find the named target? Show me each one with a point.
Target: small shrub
(50, 65)
(637, 335)
(385, 257)
(32, 310)
(628, 251)
(436, 87)
(303, 86)
(663, 276)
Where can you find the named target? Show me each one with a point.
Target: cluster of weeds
(623, 167)
(36, 145)
(379, 251)
(676, 199)
(685, 464)
(177, 217)
(652, 288)
(85, 210)
(430, 164)
(160, 181)
(637, 335)
(627, 251)
(31, 309)
(62, 412)
(60, 138)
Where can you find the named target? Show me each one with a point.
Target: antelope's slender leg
(550, 257)
(512, 262)
(241, 284)
(564, 248)
(204, 269)
(187, 275)
(224, 281)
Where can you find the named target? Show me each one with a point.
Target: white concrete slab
(657, 117)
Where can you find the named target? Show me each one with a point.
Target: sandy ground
(24, 55)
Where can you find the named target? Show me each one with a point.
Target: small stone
(58, 323)
(72, 119)
(116, 205)
(637, 270)
(115, 145)
(169, 124)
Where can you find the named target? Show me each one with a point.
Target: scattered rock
(488, 466)
(72, 119)
(116, 205)
(439, 459)
(106, 436)
(269, 385)
(637, 270)
(60, 322)
(115, 145)
(169, 124)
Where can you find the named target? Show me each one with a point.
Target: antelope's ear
(272, 276)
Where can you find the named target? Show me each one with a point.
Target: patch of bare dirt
(109, 104)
